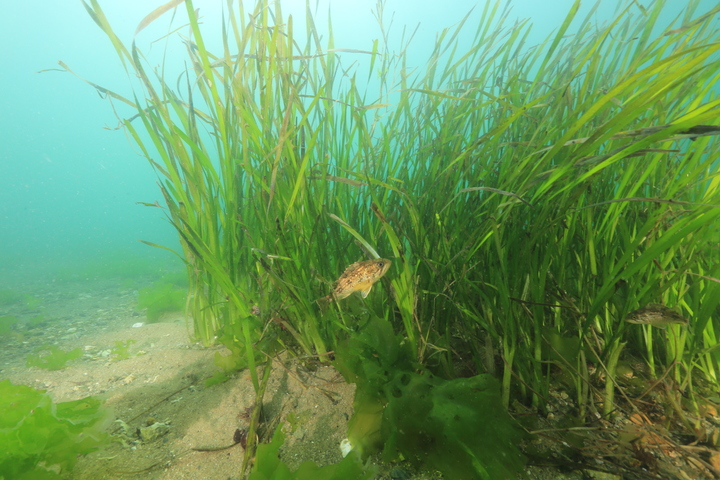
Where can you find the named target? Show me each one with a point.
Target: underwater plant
(161, 298)
(529, 198)
(6, 323)
(121, 350)
(458, 426)
(37, 435)
(269, 466)
(51, 357)
(37, 321)
(12, 298)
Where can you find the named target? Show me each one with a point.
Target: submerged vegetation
(121, 351)
(51, 357)
(40, 439)
(11, 298)
(160, 298)
(463, 426)
(531, 198)
(269, 466)
(6, 323)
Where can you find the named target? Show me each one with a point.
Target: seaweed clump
(161, 298)
(6, 323)
(122, 349)
(51, 357)
(269, 466)
(40, 439)
(11, 298)
(458, 426)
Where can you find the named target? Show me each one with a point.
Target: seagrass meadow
(532, 198)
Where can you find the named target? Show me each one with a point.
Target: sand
(162, 382)
(160, 388)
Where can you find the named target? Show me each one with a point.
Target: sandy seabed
(162, 383)
(161, 388)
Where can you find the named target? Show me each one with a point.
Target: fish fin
(324, 300)
(365, 292)
(323, 303)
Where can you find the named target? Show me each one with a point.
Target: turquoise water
(69, 187)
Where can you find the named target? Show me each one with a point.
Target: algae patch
(162, 298)
(458, 426)
(36, 433)
(268, 465)
(51, 357)
(121, 351)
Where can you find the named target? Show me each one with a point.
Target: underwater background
(69, 186)
(543, 195)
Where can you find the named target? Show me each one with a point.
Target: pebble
(153, 432)
(595, 475)
(345, 447)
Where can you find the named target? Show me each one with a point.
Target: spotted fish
(656, 315)
(359, 277)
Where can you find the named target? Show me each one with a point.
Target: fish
(358, 277)
(656, 315)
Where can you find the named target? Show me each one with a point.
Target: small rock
(398, 473)
(345, 447)
(153, 432)
(595, 475)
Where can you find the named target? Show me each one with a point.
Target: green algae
(458, 426)
(269, 466)
(11, 298)
(6, 323)
(51, 357)
(35, 432)
(121, 351)
(161, 298)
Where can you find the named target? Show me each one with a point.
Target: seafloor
(162, 382)
(161, 385)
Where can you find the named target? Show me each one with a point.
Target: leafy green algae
(12, 298)
(122, 349)
(6, 323)
(51, 357)
(268, 465)
(34, 431)
(161, 298)
(263, 343)
(457, 426)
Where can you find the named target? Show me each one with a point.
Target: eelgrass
(530, 196)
